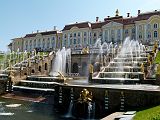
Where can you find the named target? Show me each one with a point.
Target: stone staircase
(34, 65)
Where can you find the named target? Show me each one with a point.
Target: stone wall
(115, 99)
(2, 86)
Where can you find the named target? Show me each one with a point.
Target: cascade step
(30, 88)
(39, 82)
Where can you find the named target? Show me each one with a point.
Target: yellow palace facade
(144, 27)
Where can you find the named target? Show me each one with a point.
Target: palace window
(106, 35)
(149, 35)
(94, 34)
(43, 43)
(35, 43)
(126, 31)
(133, 30)
(26, 46)
(133, 37)
(30, 42)
(140, 27)
(78, 40)
(118, 32)
(112, 32)
(70, 41)
(48, 43)
(74, 34)
(155, 26)
(85, 41)
(155, 34)
(79, 34)
(74, 41)
(94, 41)
(65, 36)
(100, 34)
(85, 34)
(71, 35)
(65, 41)
(140, 35)
(118, 35)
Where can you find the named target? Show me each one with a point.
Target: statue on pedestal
(85, 96)
(90, 72)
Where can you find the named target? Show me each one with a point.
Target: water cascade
(59, 65)
(69, 112)
(127, 63)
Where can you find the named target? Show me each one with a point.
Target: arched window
(79, 34)
(155, 34)
(155, 25)
(75, 68)
(71, 35)
(65, 36)
(74, 41)
(45, 66)
(133, 30)
(140, 35)
(39, 68)
(94, 34)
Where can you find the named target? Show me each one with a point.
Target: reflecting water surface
(21, 110)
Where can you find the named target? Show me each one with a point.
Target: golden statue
(85, 96)
(155, 46)
(106, 93)
(90, 68)
(85, 50)
(122, 93)
(150, 58)
(117, 13)
(142, 67)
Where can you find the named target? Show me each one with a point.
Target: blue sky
(19, 17)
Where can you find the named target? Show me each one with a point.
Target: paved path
(113, 116)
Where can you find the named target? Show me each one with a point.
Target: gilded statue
(90, 68)
(85, 50)
(142, 67)
(85, 96)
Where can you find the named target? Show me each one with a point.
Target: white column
(136, 32)
(109, 39)
(68, 40)
(121, 34)
(103, 34)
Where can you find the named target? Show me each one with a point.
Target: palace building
(41, 41)
(144, 27)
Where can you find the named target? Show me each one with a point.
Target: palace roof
(42, 33)
(79, 25)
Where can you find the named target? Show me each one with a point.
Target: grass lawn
(148, 114)
(157, 59)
